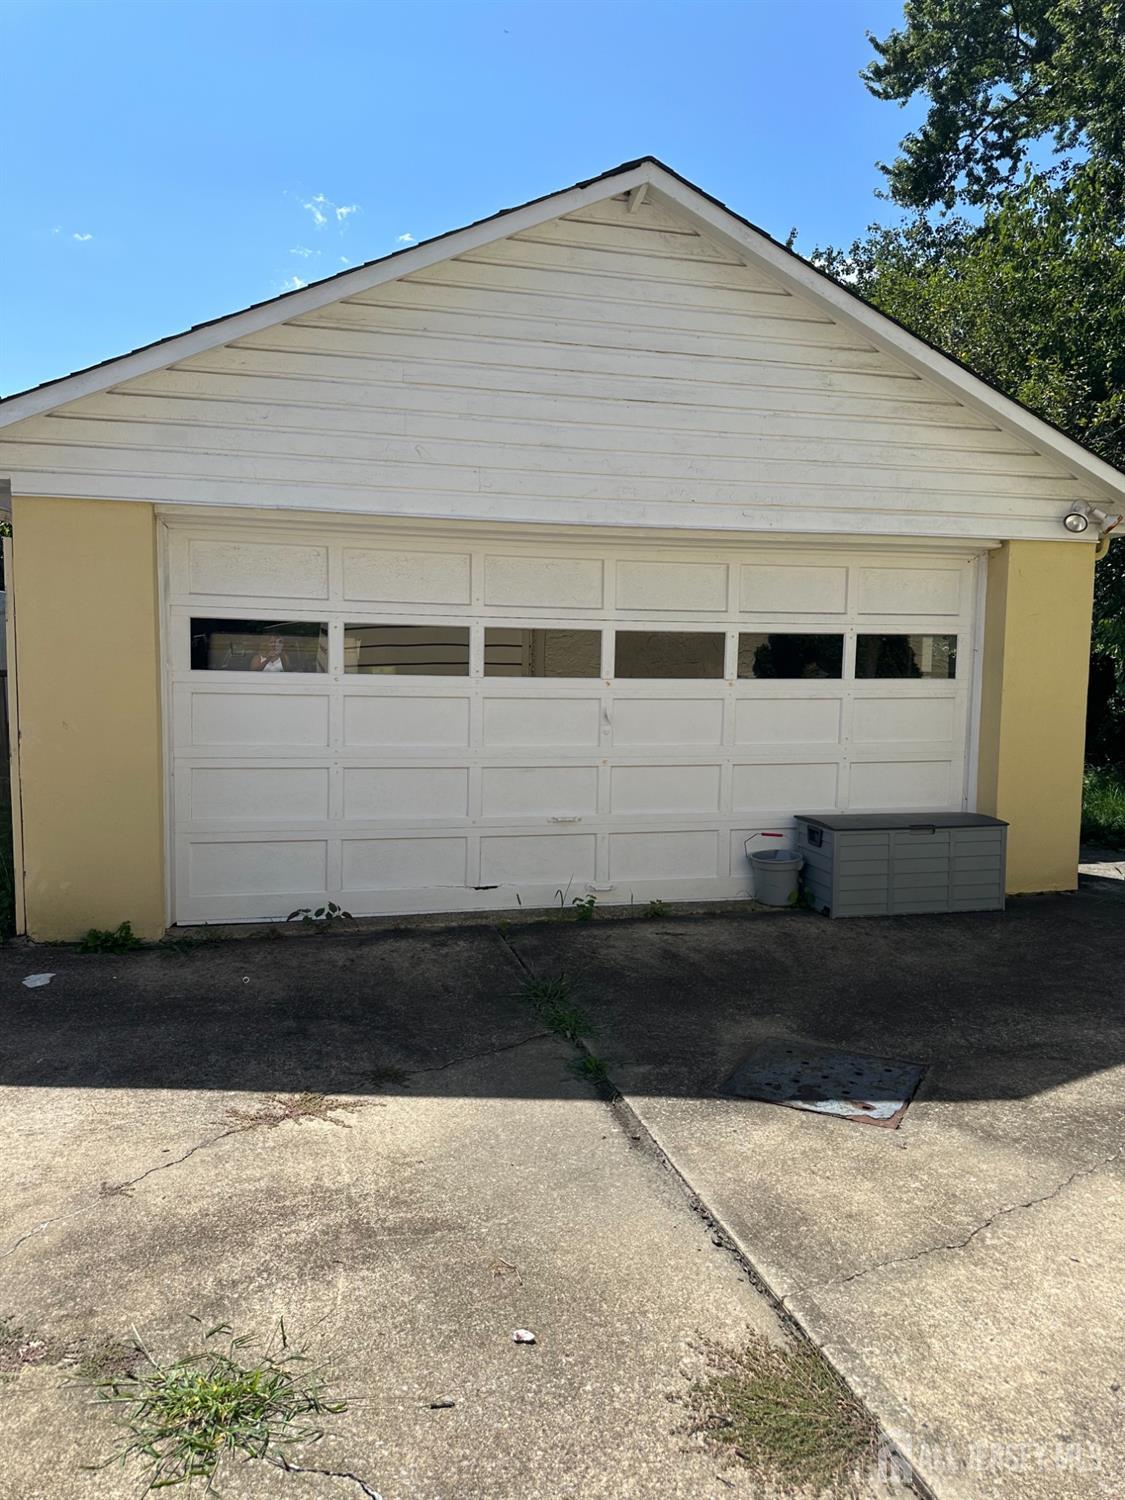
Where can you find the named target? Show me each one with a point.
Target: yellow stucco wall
(1033, 706)
(87, 645)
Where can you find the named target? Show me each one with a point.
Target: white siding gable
(608, 367)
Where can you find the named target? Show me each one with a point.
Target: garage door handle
(922, 828)
(565, 820)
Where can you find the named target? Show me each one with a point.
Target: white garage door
(456, 720)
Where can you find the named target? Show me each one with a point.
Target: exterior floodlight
(1075, 521)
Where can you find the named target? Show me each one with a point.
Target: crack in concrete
(537, 1036)
(118, 1188)
(1011, 1208)
(287, 1468)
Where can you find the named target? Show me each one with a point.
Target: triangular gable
(642, 184)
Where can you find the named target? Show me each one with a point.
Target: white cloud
(344, 261)
(294, 284)
(303, 251)
(405, 239)
(323, 209)
(82, 238)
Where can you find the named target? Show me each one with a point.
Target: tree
(1026, 131)
(1003, 77)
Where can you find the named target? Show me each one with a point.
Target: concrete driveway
(963, 1271)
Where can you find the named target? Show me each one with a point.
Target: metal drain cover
(875, 1090)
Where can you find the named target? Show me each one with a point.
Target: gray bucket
(775, 876)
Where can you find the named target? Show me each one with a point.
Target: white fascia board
(790, 269)
(308, 299)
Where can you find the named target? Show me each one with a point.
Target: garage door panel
(672, 588)
(910, 591)
(409, 794)
(390, 864)
(243, 794)
(518, 722)
(887, 785)
(380, 576)
(269, 867)
(275, 720)
(544, 583)
(559, 858)
(775, 590)
(257, 569)
(684, 855)
(787, 721)
(667, 721)
(405, 722)
(538, 791)
(889, 720)
(777, 788)
(671, 789)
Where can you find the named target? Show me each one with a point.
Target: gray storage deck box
(885, 864)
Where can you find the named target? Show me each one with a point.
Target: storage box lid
(857, 822)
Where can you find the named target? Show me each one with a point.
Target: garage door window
(542, 653)
(669, 653)
(259, 645)
(906, 656)
(407, 650)
(789, 655)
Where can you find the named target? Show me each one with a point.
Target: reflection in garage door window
(542, 653)
(789, 655)
(407, 650)
(906, 656)
(259, 646)
(669, 653)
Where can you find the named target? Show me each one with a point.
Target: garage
(421, 720)
(554, 557)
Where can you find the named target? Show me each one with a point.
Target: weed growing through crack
(182, 1420)
(656, 908)
(277, 1109)
(782, 1411)
(592, 1070)
(121, 939)
(552, 1001)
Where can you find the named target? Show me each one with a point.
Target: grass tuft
(783, 1412)
(1103, 807)
(182, 1420)
(591, 1069)
(552, 1001)
(121, 939)
(277, 1109)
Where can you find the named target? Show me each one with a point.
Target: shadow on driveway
(998, 1006)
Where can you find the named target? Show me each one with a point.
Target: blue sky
(169, 162)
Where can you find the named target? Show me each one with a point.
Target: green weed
(120, 939)
(182, 1420)
(591, 1069)
(1103, 807)
(323, 916)
(783, 1412)
(552, 1001)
